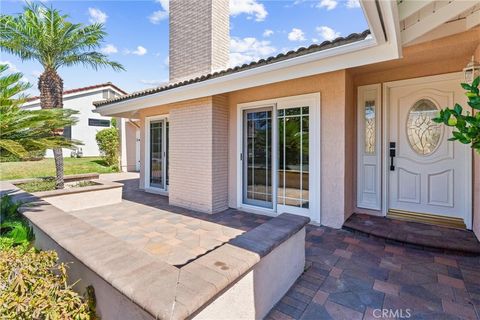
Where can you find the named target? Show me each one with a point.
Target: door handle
(393, 152)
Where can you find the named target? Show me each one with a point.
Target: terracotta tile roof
(95, 86)
(354, 37)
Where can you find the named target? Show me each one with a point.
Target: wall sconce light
(471, 71)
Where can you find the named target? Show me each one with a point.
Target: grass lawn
(46, 168)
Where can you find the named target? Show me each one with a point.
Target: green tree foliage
(466, 124)
(45, 35)
(25, 131)
(109, 144)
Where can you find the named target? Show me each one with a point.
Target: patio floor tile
(375, 274)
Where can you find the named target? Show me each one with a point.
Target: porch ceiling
(459, 46)
(431, 19)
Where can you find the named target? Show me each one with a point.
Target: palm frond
(43, 33)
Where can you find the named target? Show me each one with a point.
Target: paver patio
(348, 276)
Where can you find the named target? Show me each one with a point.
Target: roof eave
(384, 45)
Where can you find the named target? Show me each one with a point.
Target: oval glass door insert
(423, 134)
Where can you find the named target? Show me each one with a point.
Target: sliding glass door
(158, 157)
(293, 157)
(257, 179)
(276, 158)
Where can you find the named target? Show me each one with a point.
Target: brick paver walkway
(350, 276)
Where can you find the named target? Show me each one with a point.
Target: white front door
(428, 173)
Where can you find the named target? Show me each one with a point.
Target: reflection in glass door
(276, 162)
(293, 157)
(257, 165)
(159, 154)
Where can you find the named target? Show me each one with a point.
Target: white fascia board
(253, 78)
(350, 55)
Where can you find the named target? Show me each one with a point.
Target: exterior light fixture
(471, 71)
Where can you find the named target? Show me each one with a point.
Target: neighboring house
(310, 132)
(89, 123)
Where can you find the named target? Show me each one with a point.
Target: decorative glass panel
(370, 129)
(423, 134)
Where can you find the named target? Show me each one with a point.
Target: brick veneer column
(198, 162)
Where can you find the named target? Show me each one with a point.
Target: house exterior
(89, 123)
(325, 131)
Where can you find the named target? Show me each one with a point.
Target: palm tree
(43, 34)
(24, 131)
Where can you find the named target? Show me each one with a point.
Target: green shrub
(8, 208)
(13, 226)
(109, 144)
(33, 285)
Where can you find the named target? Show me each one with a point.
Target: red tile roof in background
(96, 86)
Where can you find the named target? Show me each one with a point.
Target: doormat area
(415, 234)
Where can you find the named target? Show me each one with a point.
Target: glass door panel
(293, 159)
(257, 153)
(156, 154)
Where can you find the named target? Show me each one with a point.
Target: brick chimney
(199, 37)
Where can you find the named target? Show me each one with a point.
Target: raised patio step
(414, 233)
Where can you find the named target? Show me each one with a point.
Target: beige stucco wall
(197, 152)
(331, 86)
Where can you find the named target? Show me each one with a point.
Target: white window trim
(312, 100)
(146, 172)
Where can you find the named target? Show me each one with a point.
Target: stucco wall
(333, 157)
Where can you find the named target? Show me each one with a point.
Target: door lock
(392, 155)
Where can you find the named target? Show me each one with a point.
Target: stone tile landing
(415, 234)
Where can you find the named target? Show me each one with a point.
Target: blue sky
(138, 34)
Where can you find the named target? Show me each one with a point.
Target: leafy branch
(466, 124)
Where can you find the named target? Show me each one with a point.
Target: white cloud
(296, 35)
(162, 14)
(140, 51)
(154, 82)
(327, 33)
(249, 7)
(267, 33)
(158, 16)
(109, 49)
(327, 4)
(166, 61)
(11, 66)
(97, 15)
(249, 49)
(351, 4)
